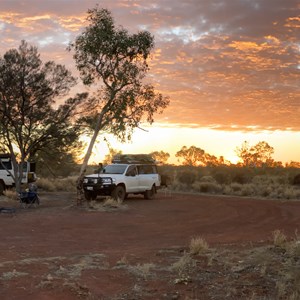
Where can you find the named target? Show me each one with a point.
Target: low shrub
(242, 175)
(227, 190)
(186, 177)
(184, 265)
(254, 182)
(206, 187)
(165, 180)
(180, 187)
(270, 179)
(207, 178)
(247, 190)
(291, 193)
(296, 180)
(46, 184)
(67, 184)
(236, 187)
(222, 177)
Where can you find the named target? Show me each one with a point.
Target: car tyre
(119, 193)
(2, 187)
(88, 195)
(150, 194)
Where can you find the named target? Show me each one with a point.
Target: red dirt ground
(58, 251)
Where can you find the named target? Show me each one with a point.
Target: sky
(230, 67)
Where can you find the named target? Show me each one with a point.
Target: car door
(132, 179)
(146, 176)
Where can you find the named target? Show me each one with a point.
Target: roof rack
(133, 159)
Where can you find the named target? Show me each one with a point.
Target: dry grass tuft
(112, 203)
(279, 238)
(198, 245)
(95, 205)
(46, 184)
(109, 204)
(10, 194)
(12, 275)
(142, 270)
(294, 246)
(184, 265)
(67, 184)
(123, 261)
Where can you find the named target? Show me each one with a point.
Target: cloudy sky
(228, 66)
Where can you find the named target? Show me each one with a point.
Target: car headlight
(106, 180)
(85, 180)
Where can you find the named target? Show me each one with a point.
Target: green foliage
(115, 60)
(54, 164)
(110, 54)
(28, 90)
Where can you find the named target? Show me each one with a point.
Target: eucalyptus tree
(160, 156)
(258, 155)
(115, 61)
(192, 156)
(28, 120)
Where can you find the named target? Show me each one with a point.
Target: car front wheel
(119, 193)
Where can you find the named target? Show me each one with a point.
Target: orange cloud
(233, 65)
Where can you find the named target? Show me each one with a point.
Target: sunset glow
(230, 68)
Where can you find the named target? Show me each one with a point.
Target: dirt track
(55, 251)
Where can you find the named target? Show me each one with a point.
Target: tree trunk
(18, 173)
(79, 182)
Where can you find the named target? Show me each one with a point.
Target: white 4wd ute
(128, 174)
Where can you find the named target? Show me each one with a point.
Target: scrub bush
(186, 177)
(222, 177)
(296, 180)
(207, 187)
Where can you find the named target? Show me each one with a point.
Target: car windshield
(114, 169)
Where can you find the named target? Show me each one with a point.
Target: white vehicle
(128, 174)
(7, 170)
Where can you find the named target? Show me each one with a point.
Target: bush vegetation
(273, 183)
